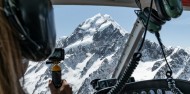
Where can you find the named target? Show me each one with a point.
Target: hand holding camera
(57, 85)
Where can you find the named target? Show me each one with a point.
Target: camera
(58, 55)
(55, 59)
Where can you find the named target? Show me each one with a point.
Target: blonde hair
(10, 58)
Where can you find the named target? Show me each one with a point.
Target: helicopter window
(173, 33)
(68, 17)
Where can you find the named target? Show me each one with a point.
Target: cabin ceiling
(121, 3)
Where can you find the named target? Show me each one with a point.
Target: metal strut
(129, 49)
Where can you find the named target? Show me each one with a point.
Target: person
(11, 56)
(64, 89)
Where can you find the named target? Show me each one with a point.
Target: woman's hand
(64, 89)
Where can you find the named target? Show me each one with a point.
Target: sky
(174, 33)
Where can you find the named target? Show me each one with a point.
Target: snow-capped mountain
(93, 51)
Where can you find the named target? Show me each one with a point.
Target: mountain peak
(98, 27)
(99, 15)
(98, 23)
